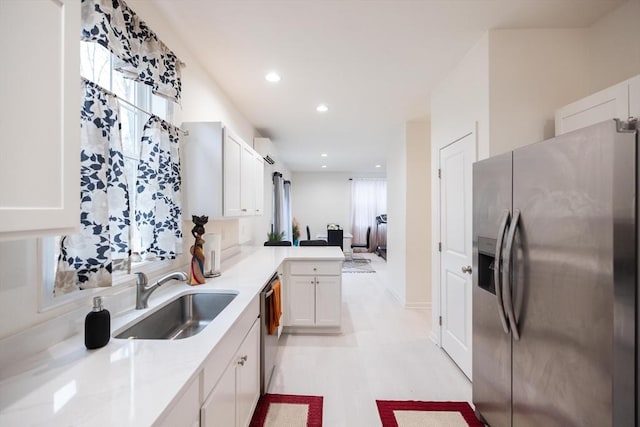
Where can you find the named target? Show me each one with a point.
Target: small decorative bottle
(97, 326)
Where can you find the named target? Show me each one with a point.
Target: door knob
(466, 269)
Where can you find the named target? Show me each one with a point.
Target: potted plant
(275, 237)
(295, 230)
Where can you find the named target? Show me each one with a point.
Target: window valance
(140, 54)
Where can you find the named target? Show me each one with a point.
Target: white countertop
(131, 382)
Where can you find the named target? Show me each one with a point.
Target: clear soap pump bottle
(97, 326)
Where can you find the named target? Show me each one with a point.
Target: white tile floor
(384, 353)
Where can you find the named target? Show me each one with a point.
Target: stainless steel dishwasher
(268, 342)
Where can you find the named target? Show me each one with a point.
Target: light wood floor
(383, 353)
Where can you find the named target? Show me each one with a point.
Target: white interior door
(455, 260)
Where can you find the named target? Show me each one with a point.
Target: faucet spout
(143, 291)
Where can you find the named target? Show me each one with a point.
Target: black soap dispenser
(97, 326)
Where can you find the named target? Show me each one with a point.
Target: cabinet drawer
(315, 268)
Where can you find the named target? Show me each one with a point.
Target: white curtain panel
(86, 258)
(158, 211)
(278, 204)
(368, 200)
(288, 218)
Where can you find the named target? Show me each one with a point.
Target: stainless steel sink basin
(183, 317)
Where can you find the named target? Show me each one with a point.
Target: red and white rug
(277, 410)
(410, 413)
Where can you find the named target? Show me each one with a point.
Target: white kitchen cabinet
(185, 411)
(619, 101)
(40, 118)
(219, 171)
(302, 300)
(220, 407)
(247, 181)
(248, 376)
(235, 396)
(313, 296)
(634, 97)
(232, 151)
(259, 181)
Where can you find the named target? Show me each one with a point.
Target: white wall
(459, 105)
(531, 74)
(418, 215)
(614, 48)
(397, 215)
(320, 198)
(20, 281)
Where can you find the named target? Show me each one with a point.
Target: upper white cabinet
(39, 117)
(220, 172)
(634, 97)
(259, 180)
(247, 181)
(620, 101)
(233, 148)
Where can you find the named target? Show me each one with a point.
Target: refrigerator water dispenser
(486, 263)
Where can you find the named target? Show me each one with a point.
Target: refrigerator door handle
(506, 276)
(496, 270)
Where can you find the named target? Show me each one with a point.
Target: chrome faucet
(143, 292)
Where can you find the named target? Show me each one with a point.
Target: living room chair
(278, 243)
(363, 245)
(313, 243)
(335, 238)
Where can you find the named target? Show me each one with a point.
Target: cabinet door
(610, 103)
(185, 411)
(259, 181)
(301, 291)
(247, 182)
(40, 161)
(328, 300)
(634, 97)
(248, 376)
(232, 163)
(219, 410)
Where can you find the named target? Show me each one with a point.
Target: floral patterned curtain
(158, 210)
(86, 258)
(140, 55)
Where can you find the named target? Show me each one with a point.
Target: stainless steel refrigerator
(554, 281)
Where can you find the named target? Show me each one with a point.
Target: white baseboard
(418, 305)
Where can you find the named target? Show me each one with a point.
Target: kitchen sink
(183, 317)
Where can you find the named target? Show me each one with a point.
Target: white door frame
(436, 293)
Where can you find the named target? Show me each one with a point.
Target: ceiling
(373, 63)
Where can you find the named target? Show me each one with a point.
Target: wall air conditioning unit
(266, 149)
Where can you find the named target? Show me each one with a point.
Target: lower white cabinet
(313, 295)
(184, 412)
(235, 395)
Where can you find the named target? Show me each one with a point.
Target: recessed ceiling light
(323, 155)
(378, 166)
(272, 77)
(324, 166)
(322, 108)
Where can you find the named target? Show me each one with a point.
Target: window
(97, 65)
(368, 200)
